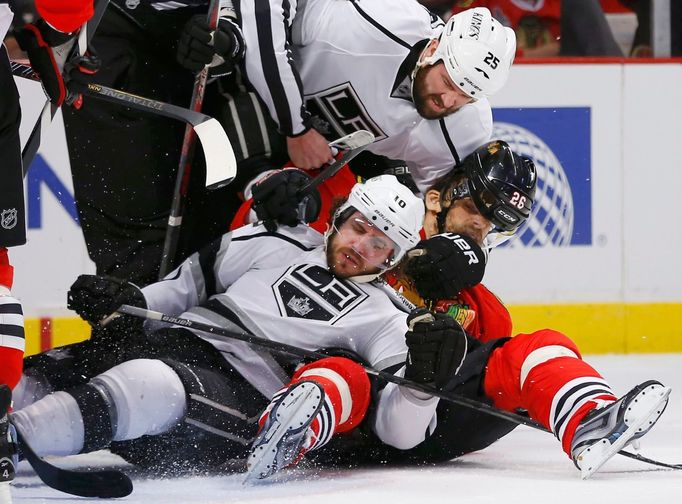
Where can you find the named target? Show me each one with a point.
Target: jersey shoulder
(301, 236)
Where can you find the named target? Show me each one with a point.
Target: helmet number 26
(517, 200)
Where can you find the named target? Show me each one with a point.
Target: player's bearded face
(434, 93)
(356, 248)
(464, 218)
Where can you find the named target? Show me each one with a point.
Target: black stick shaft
(170, 245)
(330, 171)
(311, 354)
(139, 103)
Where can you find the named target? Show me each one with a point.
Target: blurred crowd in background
(555, 28)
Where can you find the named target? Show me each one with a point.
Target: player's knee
(345, 382)
(147, 395)
(543, 346)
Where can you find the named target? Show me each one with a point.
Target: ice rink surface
(526, 467)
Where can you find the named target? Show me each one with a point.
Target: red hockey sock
(6, 269)
(12, 365)
(347, 395)
(544, 374)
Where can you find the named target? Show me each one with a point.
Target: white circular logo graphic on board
(551, 220)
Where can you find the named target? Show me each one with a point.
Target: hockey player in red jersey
(541, 373)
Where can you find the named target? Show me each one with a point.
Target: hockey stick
(353, 145)
(173, 228)
(104, 483)
(50, 109)
(210, 133)
(311, 354)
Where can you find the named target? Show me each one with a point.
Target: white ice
(526, 467)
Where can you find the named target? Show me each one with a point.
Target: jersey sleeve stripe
(269, 63)
(274, 235)
(207, 261)
(379, 27)
(448, 140)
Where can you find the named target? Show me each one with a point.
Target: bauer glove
(436, 344)
(96, 297)
(443, 265)
(221, 49)
(276, 199)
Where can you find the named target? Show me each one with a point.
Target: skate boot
(8, 446)
(286, 435)
(605, 431)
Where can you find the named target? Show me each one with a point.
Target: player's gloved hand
(80, 70)
(46, 48)
(95, 297)
(276, 199)
(443, 265)
(436, 344)
(221, 49)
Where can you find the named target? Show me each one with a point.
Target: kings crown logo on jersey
(339, 112)
(310, 291)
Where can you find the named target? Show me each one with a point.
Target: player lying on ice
(195, 390)
(542, 373)
(208, 420)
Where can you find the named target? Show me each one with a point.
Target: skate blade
(596, 455)
(300, 405)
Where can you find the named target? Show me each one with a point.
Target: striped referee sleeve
(266, 25)
(11, 324)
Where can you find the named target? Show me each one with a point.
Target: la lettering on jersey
(311, 292)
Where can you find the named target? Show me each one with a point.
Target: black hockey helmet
(500, 183)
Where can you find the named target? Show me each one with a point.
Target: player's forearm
(180, 290)
(403, 418)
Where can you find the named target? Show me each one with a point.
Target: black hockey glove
(437, 346)
(42, 44)
(276, 200)
(221, 50)
(96, 297)
(443, 265)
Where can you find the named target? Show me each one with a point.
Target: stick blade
(221, 164)
(357, 139)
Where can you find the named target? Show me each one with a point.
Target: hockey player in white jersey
(330, 67)
(292, 286)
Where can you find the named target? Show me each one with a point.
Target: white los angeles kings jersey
(277, 286)
(353, 60)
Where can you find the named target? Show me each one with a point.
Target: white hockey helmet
(392, 208)
(477, 52)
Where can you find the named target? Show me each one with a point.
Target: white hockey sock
(53, 425)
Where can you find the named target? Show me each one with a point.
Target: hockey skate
(605, 431)
(8, 446)
(286, 433)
